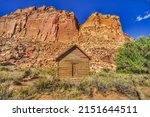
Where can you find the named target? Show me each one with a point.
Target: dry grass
(44, 81)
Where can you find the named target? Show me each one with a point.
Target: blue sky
(134, 14)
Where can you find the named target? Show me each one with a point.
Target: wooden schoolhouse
(73, 63)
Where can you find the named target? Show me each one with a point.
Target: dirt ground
(112, 96)
(96, 96)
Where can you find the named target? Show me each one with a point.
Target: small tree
(134, 57)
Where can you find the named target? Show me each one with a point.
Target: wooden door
(74, 70)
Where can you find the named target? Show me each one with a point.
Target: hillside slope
(36, 36)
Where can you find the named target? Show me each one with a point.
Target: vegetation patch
(134, 57)
(104, 82)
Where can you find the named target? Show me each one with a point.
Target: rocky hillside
(36, 36)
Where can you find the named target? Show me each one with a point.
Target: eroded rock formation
(40, 24)
(36, 36)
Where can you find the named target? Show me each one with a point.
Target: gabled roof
(63, 55)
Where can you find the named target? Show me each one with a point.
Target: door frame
(74, 69)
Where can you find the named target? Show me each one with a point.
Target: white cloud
(146, 16)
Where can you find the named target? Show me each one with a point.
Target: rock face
(36, 36)
(40, 24)
(100, 36)
(104, 27)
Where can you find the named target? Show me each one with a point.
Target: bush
(7, 75)
(48, 71)
(65, 85)
(49, 85)
(134, 57)
(7, 68)
(22, 93)
(126, 89)
(103, 85)
(5, 92)
(120, 83)
(85, 88)
(141, 80)
(73, 93)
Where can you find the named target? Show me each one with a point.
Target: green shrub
(141, 80)
(102, 85)
(85, 88)
(134, 57)
(7, 68)
(122, 83)
(11, 75)
(73, 93)
(43, 85)
(27, 72)
(106, 70)
(48, 71)
(65, 85)
(21, 93)
(5, 92)
(126, 89)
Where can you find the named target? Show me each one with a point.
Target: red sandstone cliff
(35, 36)
(104, 27)
(40, 24)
